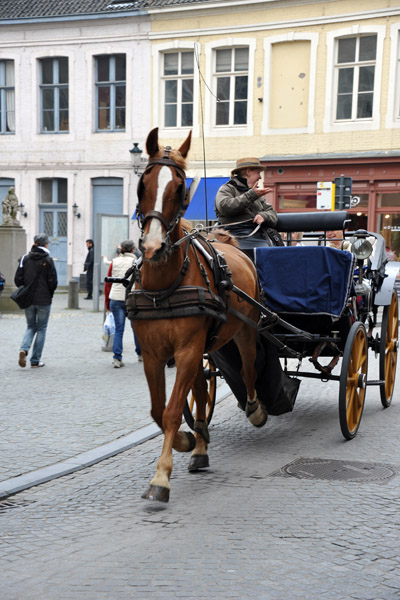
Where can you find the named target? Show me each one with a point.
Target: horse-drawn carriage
(200, 301)
(324, 304)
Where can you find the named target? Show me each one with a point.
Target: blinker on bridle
(183, 198)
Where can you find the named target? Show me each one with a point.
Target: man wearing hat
(239, 203)
(36, 266)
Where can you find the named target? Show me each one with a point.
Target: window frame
(158, 51)
(56, 86)
(393, 107)
(211, 128)
(179, 78)
(330, 124)
(112, 84)
(4, 88)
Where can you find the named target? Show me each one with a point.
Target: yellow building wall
(263, 21)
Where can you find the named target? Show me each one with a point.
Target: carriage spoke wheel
(189, 410)
(388, 350)
(353, 380)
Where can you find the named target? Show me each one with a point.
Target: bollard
(73, 297)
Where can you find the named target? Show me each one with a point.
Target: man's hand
(258, 219)
(261, 191)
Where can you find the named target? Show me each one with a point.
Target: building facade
(310, 87)
(73, 98)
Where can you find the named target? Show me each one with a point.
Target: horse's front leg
(155, 375)
(171, 421)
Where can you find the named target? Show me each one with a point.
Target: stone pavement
(244, 529)
(77, 409)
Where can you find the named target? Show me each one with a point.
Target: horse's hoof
(256, 414)
(156, 493)
(198, 461)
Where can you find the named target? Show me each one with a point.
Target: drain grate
(335, 470)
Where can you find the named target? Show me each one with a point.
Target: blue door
(107, 197)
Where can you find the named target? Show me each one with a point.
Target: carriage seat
(305, 279)
(312, 221)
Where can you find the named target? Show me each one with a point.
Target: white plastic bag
(108, 333)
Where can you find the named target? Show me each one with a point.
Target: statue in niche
(10, 208)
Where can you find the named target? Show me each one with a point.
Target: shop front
(376, 185)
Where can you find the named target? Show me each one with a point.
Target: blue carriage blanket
(305, 279)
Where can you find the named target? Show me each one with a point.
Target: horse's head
(162, 196)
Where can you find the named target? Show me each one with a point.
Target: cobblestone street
(244, 529)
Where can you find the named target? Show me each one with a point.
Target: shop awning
(197, 207)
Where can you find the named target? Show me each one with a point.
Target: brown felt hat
(247, 163)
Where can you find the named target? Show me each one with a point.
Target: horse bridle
(183, 197)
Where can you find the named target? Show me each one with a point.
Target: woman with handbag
(36, 271)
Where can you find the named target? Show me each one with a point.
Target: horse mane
(224, 237)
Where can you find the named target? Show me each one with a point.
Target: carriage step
(376, 382)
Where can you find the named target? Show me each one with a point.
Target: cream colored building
(311, 87)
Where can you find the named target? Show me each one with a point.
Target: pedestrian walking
(88, 269)
(115, 300)
(37, 266)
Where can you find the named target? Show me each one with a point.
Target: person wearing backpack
(36, 266)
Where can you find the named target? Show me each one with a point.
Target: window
(110, 92)
(53, 191)
(178, 71)
(231, 85)
(355, 73)
(7, 97)
(54, 95)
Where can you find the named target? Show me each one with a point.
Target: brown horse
(170, 261)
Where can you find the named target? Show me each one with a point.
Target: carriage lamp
(75, 210)
(136, 157)
(21, 210)
(362, 249)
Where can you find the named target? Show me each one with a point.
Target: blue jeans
(118, 310)
(37, 318)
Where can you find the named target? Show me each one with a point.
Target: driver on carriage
(241, 208)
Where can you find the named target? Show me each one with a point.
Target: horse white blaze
(154, 236)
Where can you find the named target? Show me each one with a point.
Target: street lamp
(136, 157)
(75, 210)
(21, 209)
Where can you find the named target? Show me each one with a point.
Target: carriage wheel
(353, 380)
(189, 410)
(388, 350)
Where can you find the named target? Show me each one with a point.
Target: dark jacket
(235, 201)
(89, 261)
(28, 270)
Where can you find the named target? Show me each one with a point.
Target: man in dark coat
(37, 266)
(88, 268)
(240, 204)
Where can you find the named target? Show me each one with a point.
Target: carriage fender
(383, 296)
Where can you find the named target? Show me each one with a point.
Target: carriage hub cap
(362, 380)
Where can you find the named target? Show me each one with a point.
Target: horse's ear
(184, 149)
(152, 142)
